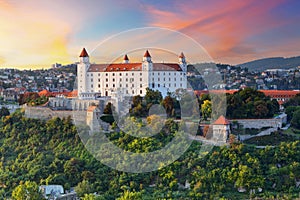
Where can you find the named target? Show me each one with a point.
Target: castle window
(98, 74)
(141, 91)
(158, 79)
(92, 86)
(98, 85)
(141, 74)
(120, 74)
(113, 80)
(141, 79)
(158, 85)
(126, 79)
(141, 85)
(113, 74)
(120, 85)
(132, 74)
(106, 74)
(113, 85)
(98, 79)
(92, 74)
(174, 79)
(107, 85)
(91, 80)
(107, 80)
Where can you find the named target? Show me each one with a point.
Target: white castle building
(129, 79)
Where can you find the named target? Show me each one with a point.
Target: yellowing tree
(27, 191)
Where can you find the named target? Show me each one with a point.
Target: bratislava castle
(129, 79)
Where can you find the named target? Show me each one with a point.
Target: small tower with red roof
(221, 129)
(182, 62)
(147, 63)
(82, 68)
(125, 59)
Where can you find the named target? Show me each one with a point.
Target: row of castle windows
(126, 74)
(132, 79)
(141, 85)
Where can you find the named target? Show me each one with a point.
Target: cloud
(223, 27)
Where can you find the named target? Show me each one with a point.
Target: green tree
(4, 112)
(296, 119)
(27, 191)
(127, 195)
(83, 188)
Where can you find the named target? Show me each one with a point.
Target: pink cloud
(222, 27)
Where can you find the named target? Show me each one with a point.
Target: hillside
(272, 63)
(50, 152)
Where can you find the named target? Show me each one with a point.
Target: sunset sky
(40, 33)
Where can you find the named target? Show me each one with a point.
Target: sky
(36, 34)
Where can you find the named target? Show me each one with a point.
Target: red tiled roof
(84, 53)
(221, 121)
(74, 93)
(45, 93)
(133, 67)
(147, 54)
(274, 93)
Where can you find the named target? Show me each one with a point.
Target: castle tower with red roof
(147, 63)
(221, 129)
(82, 68)
(182, 62)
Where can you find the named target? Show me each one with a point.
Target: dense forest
(35, 152)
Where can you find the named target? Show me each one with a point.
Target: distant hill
(272, 63)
